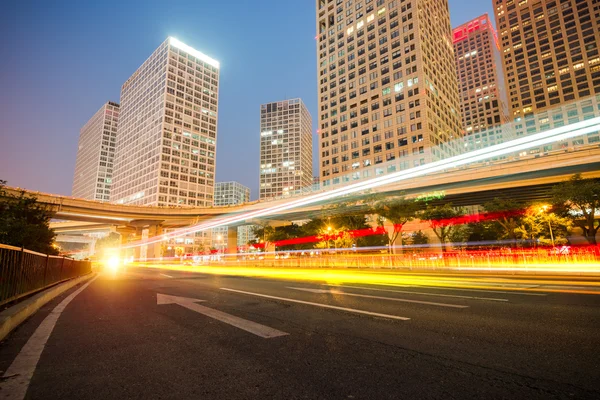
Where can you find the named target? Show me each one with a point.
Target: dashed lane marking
(351, 310)
(427, 303)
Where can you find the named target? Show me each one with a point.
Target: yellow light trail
(339, 276)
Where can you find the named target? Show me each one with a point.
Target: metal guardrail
(23, 272)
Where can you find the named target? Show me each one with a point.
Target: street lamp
(544, 208)
(328, 236)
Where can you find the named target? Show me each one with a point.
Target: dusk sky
(61, 63)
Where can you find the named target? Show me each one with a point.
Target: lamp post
(544, 208)
(328, 236)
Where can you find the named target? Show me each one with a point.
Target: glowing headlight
(113, 263)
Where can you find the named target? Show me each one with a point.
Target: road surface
(161, 334)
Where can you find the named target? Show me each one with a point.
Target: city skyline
(59, 135)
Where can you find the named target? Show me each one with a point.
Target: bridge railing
(23, 272)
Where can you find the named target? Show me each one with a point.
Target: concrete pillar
(137, 251)
(92, 247)
(124, 232)
(232, 236)
(154, 249)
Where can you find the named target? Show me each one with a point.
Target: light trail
(439, 280)
(513, 146)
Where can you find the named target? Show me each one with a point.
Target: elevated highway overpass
(523, 179)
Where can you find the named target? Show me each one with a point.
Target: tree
(459, 235)
(544, 226)
(398, 211)
(25, 223)
(264, 234)
(442, 220)
(582, 197)
(507, 214)
(419, 238)
(334, 239)
(485, 231)
(113, 240)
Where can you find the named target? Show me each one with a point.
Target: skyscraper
(484, 107)
(388, 91)
(230, 194)
(551, 64)
(166, 145)
(95, 154)
(285, 148)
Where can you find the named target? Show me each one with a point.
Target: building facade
(95, 154)
(551, 63)
(388, 93)
(166, 148)
(229, 194)
(484, 107)
(285, 148)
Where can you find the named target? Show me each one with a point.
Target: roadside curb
(15, 315)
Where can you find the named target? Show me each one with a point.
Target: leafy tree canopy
(25, 223)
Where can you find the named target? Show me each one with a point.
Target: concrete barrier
(15, 315)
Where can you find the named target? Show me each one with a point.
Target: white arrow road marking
(428, 303)
(421, 293)
(21, 370)
(352, 310)
(248, 326)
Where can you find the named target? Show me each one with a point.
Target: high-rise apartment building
(551, 64)
(166, 145)
(95, 154)
(388, 92)
(285, 148)
(230, 194)
(483, 107)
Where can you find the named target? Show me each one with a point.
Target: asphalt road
(267, 339)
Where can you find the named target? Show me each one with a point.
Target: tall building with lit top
(483, 106)
(388, 93)
(166, 147)
(285, 148)
(551, 64)
(95, 154)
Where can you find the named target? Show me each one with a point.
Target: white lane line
(471, 290)
(421, 293)
(352, 310)
(248, 326)
(18, 375)
(168, 276)
(427, 303)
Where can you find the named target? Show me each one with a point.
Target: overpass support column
(154, 250)
(92, 247)
(232, 234)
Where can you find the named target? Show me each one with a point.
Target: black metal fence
(23, 272)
